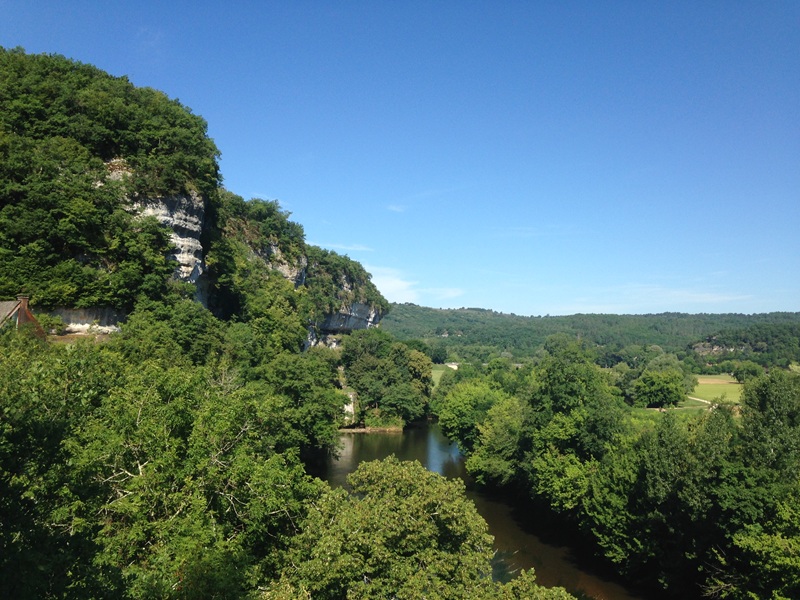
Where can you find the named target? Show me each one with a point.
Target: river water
(516, 546)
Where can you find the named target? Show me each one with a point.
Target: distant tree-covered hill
(480, 333)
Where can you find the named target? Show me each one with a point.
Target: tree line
(703, 340)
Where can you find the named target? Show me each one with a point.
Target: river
(517, 547)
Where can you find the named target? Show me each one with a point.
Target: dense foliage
(701, 504)
(51, 99)
(165, 463)
(392, 381)
(151, 466)
(399, 532)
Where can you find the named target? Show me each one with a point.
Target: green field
(711, 387)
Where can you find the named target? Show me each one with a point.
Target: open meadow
(712, 387)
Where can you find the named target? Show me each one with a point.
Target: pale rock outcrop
(350, 316)
(85, 320)
(183, 214)
(294, 271)
(329, 332)
(354, 316)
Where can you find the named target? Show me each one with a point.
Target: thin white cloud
(443, 293)
(639, 298)
(681, 295)
(398, 208)
(397, 287)
(150, 40)
(393, 284)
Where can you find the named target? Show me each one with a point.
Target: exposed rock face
(355, 316)
(83, 320)
(184, 215)
(294, 271)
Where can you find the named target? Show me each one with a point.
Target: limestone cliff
(104, 156)
(342, 294)
(184, 215)
(353, 316)
(259, 238)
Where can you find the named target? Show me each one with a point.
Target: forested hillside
(67, 236)
(473, 333)
(166, 460)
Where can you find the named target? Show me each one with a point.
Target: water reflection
(516, 545)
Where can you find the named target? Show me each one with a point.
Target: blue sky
(529, 157)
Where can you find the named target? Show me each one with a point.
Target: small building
(18, 313)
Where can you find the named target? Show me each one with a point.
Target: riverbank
(393, 429)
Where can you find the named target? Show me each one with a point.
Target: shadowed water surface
(516, 545)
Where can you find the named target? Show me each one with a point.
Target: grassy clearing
(711, 387)
(647, 417)
(692, 403)
(643, 419)
(437, 373)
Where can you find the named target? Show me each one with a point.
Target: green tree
(566, 378)
(391, 379)
(659, 389)
(438, 353)
(768, 555)
(314, 407)
(607, 510)
(401, 532)
(659, 527)
(46, 531)
(464, 408)
(771, 424)
(524, 587)
(496, 456)
(746, 370)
